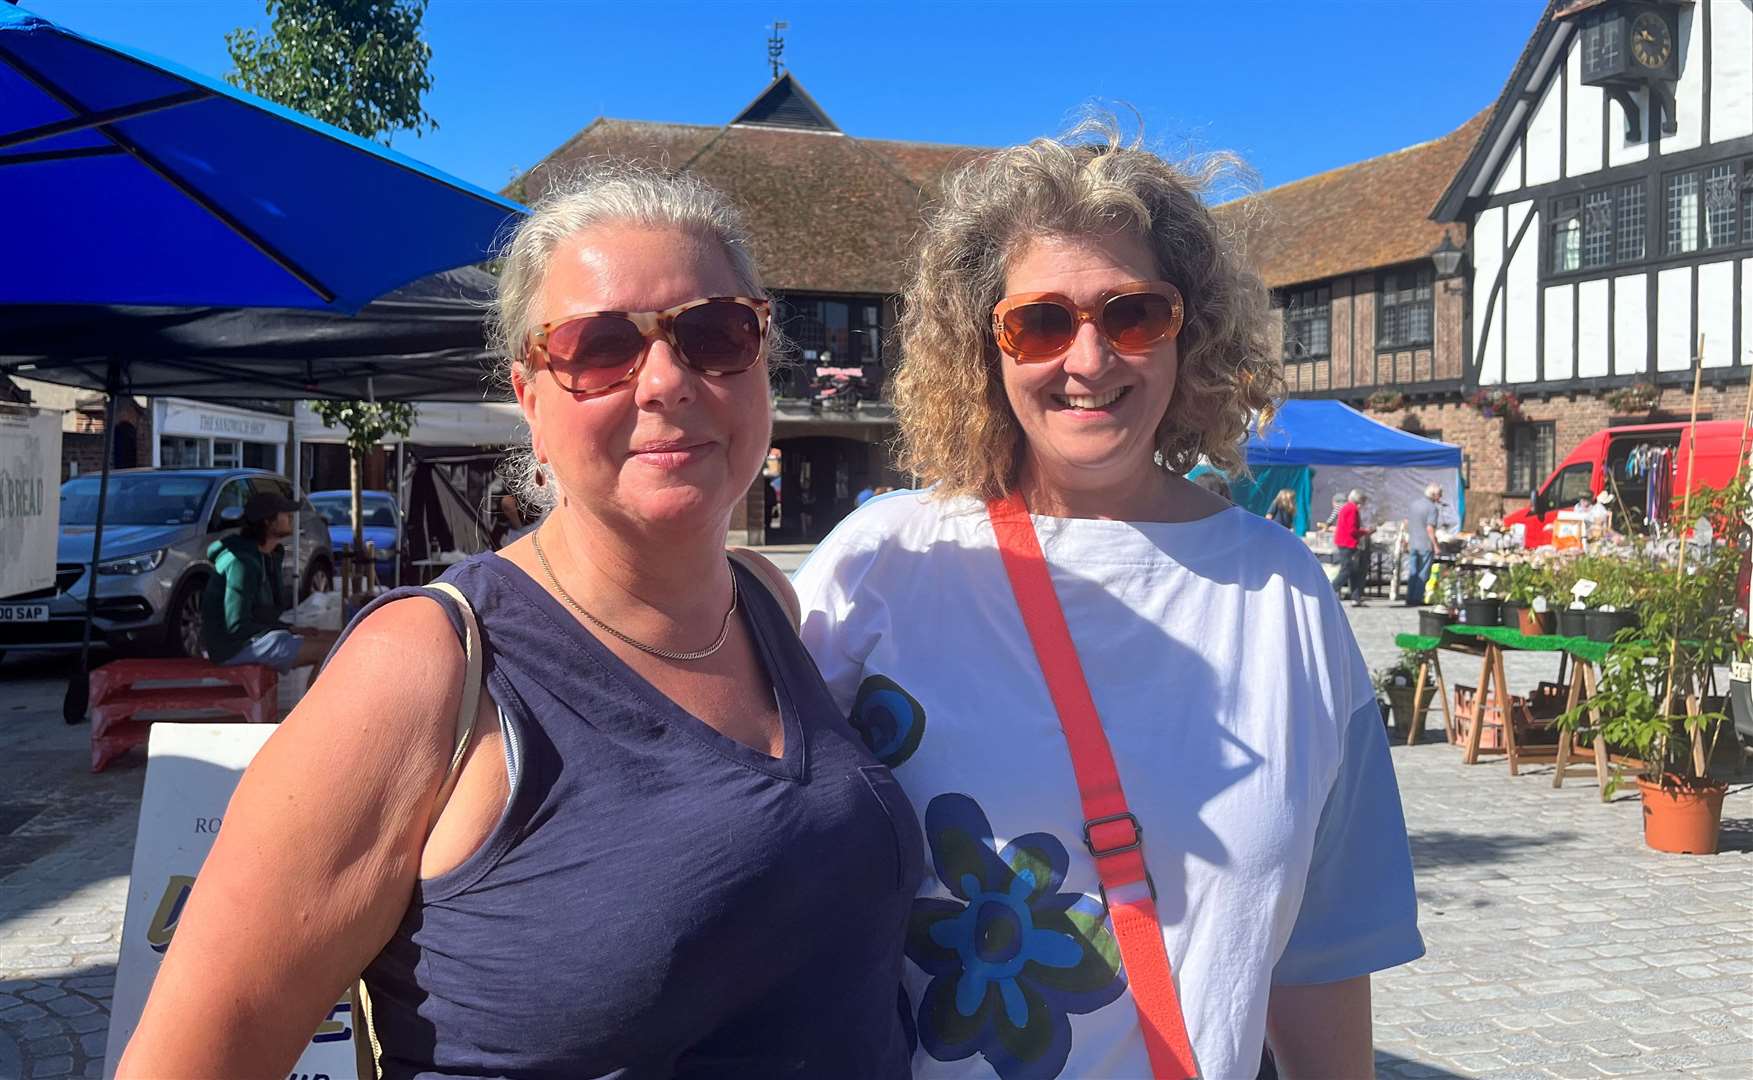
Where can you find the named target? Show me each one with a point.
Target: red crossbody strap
(1110, 830)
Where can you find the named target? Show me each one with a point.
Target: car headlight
(133, 564)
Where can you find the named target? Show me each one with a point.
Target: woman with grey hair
(661, 850)
(1143, 743)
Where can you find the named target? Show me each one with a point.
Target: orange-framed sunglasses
(595, 352)
(1036, 327)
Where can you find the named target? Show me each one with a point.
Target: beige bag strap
(368, 1053)
(772, 577)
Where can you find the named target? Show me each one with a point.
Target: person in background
(1421, 522)
(865, 494)
(240, 609)
(1350, 536)
(1214, 482)
(1284, 509)
(517, 524)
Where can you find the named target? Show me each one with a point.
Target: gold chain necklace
(723, 631)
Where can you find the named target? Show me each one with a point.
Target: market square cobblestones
(1560, 948)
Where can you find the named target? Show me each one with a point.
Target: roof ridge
(1426, 144)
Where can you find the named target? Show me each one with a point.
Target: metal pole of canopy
(78, 696)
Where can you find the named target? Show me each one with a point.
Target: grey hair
(601, 193)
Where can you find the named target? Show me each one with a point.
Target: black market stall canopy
(423, 342)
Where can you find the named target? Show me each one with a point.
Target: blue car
(382, 525)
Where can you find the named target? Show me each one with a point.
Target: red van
(1618, 459)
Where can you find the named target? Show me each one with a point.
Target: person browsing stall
(244, 598)
(1351, 537)
(1163, 823)
(658, 849)
(1421, 524)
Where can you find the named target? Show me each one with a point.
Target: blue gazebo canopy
(1316, 432)
(126, 179)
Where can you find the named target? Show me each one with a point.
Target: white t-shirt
(1249, 743)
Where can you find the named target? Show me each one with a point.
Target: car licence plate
(24, 613)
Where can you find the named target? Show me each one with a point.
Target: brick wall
(1574, 418)
(83, 446)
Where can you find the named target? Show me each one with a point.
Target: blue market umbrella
(132, 181)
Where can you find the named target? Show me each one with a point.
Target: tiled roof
(830, 213)
(1358, 217)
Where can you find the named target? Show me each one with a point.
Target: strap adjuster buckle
(1149, 881)
(1134, 845)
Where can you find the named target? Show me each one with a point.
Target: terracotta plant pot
(1683, 820)
(1536, 623)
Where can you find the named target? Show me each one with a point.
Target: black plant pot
(1572, 623)
(1604, 626)
(1431, 623)
(1512, 614)
(1487, 612)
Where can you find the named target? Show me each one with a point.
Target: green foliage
(1689, 627)
(360, 65)
(367, 423)
(1401, 674)
(1523, 582)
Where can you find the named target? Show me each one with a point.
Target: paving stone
(53, 1066)
(72, 1005)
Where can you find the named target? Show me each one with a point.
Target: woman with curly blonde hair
(1062, 647)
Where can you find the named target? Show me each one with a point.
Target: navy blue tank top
(658, 900)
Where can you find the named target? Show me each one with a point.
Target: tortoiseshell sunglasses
(598, 351)
(1035, 327)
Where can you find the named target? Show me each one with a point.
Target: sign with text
(191, 771)
(30, 499)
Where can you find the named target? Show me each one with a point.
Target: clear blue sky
(1295, 87)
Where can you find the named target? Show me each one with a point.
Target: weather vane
(776, 45)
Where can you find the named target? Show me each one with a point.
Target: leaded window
(1722, 206)
(1682, 213)
(1567, 234)
(1308, 316)
(1631, 222)
(1406, 308)
(1597, 229)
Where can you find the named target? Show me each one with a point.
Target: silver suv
(158, 524)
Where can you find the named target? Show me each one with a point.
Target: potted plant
(1396, 683)
(1478, 606)
(1385, 401)
(1527, 587)
(1613, 605)
(1650, 702)
(1636, 398)
(1495, 403)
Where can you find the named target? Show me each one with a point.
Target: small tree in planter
(1651, 699)
(1396, 683)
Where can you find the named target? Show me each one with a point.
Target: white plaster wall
(1631, 345)
(1583, 151)
(1619, 151)
(1522, 291)
(1509, 175)
(1559, 300)
(1747, 311)
(1674, 319)
(1487, 257)
(1543, 134)
(1731, 69)
(1689, 92)
(1592, 360)
(1716, 312)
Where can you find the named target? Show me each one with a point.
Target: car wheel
(318, 577)
(182, 623)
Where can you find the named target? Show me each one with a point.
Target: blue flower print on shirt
(887, 718)
(1012, 957)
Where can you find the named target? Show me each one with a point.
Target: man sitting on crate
(240, 610)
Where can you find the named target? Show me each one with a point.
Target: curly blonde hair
(957, 430)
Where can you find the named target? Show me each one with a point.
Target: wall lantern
(1447, 257)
